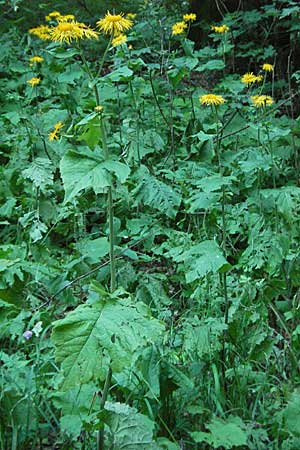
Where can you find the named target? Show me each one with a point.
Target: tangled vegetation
(149, 222)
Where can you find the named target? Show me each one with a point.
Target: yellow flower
(220, 29)
(119, 40)
(54, 134)
(34, 81)
(52, 15)
(178, 28)
(268, 67)
(65, 18)
(98, 108)
(211, 99)
(261, 100)
(189, 17)
(36, 59)
(67, 31)
(250, 78)
(42, 32)
(114, 23)
(130, 16)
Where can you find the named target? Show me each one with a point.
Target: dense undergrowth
(149, 216)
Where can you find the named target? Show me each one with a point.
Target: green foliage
(149, 257)
(110, 331)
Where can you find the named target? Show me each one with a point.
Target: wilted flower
(114, 23)
(178, 28)
(189, 17)
(119, 40)
(220, 28)
(261, 100)
(34, 81)
(27, 335)
(211, 99)
(268, 67)
(250, 78)
(54, 134)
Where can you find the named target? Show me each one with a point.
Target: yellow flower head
(178, 28)
(99, 108)
(268, 67)
(36, 59)
(189, 17)
(119, 40)
(54, 134)
(67, 31)
(42, 32)
(114, 24)
(65, 18)
(220, 29)
(250, 78)
(211, 99)
(34, 81)
(130, 16)
(261, 100)
(52, 15)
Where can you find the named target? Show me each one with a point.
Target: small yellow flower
(220, 29)
(130, 47)
(268, 67)
(36, 59)
(67, 31)
(54, 134)
(178, 28)
(119, 40)
(42, 32)
(211, 99)
(130, 16)
(114, 24)
(261, 100)
(34, 81)
(99, 108)
(249, 78)
(54, 14)
(189, 17)
(65, 18)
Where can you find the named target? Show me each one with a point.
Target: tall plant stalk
(110, 214)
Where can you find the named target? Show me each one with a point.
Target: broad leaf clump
(149, 223)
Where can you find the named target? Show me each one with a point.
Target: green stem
(100, 436)
(110, 213)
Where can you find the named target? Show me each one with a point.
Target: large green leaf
(227, 434)
(157, 194)
(291, 414)
(88, 171)
(40, 172)
(128, 429)
(93, 335)
(200, 259)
